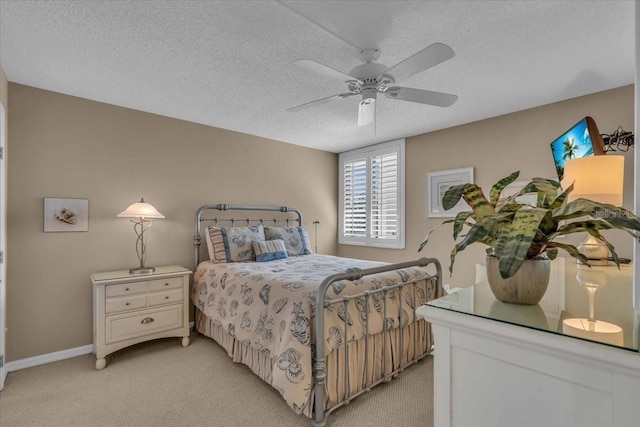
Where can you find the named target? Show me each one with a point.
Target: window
(372, 196)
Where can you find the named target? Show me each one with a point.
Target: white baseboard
(30, 362)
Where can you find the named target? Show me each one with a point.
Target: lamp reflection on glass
(590, 328)
(142, 213)
(600, 179)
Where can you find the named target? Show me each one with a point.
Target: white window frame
(397, 146)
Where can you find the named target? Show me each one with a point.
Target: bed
(266, 307)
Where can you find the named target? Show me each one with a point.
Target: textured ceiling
(229, 64)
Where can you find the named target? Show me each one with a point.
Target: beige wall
(496, 147)
(68, 147)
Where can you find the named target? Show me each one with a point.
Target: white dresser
(132, 308)
(504, 365)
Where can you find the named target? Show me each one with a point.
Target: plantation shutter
(384, 196)
(371, 199)
(355, 198)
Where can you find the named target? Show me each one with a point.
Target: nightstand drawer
(161, 284)
(126, 289)
(158, 298)
(125, 303)
(123, 327)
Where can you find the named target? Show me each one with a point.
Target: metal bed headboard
(245, 221)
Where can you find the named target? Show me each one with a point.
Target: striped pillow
(233, 244)
(296, 239)
(269, 250)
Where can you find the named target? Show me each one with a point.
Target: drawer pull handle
(126, 289)
(166, 284)
(166, 297)
(146, 320)
(126, 303)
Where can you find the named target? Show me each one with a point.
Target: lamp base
(142, 270)
(595, 250)
(598, 262)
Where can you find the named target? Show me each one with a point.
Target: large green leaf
(595, 233)
(453, 195)
(616, 216)
(452, 258)
(577, 208)
(477, 233)
(547, 191)
(571, 250)
(547, 225)
(592, 227)
(493, 224)
(426, 238)
(580, 226)
(510, 207)
(561, 198)
(459, 222)
(515, 239)
(474, 197)
(497, 188)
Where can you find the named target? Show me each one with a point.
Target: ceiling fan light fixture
(369, 96)
(367, 111)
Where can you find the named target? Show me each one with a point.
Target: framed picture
(438, 183)
(62, 215)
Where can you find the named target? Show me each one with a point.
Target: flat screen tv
(582, 140)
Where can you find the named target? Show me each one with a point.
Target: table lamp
(600, 179)
(142, 214)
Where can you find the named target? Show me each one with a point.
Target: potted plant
(521, 238)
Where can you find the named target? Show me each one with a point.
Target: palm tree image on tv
(570, 148)
(575, 143)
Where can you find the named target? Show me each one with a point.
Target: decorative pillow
(296, 239)
(269, 250)
(233, 244)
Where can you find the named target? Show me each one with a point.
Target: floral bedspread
(271, 306)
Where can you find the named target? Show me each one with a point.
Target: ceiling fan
(371, 78)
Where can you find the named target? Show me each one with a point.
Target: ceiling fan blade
(323, 69)
(367, 112)
(428, 57)
(421, 96)
(319, 101)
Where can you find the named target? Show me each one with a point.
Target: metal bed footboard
(319, 362)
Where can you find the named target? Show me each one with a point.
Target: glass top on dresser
(593, 304)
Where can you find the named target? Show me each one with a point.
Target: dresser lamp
(600, 179)
(142, 214)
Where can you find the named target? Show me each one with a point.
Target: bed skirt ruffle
(416, 344)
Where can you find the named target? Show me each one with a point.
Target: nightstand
(132, 308)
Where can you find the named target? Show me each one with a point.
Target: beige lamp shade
(141, 209)
(598, 178)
